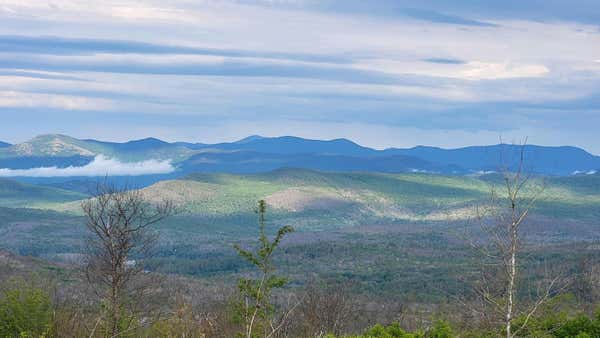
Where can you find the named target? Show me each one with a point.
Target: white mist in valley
(99, 166)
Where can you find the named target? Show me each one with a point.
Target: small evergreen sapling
(256, 309)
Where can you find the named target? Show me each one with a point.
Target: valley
(369, 227)
(397, 236)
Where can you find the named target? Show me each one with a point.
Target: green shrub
(560, 321)
(441, 329)
(391, 331)
(25, 311)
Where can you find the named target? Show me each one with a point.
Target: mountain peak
(250, 139)
(51, 145)
(297, 145)
(148, 141)
(345, 140)
(46, 137)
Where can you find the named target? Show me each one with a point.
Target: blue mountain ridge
(260, 154)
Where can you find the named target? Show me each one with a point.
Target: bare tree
(119, 223)
(586, 282)
(327, 309)
(501, 250)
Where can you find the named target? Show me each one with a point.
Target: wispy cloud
(438, 17)
(446, 61)
(68, 102)
(100, 166)
(72, 46)
(38, 75)
(488, 70)
(468, 67)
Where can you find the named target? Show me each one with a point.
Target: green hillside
(408, 196)
(388, 231)
(318, 200)
(375, 195)
(21, 195)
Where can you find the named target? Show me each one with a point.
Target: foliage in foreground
(25, 310)
(550, 325)
(440, 329)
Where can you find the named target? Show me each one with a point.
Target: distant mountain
(4, 144)
(255, 162)
(144, 149)
(49, 145)
(296, 145)
(538, 159)
(259, 154)
(26, 162)
(146, 144)
(250, 138)
(193, 146)
(63, 149)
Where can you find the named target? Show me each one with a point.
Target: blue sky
(383, 73)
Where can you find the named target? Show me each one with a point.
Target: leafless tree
(119, 221)
(327, 309)
(501, 250)
(586, 283)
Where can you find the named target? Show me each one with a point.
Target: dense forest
(500, 283)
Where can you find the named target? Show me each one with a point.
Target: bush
(391, 331)
(441, 329)
(25, 311)
(561, 323)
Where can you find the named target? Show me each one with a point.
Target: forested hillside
(377, 244)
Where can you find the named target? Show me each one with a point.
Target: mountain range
(261, 154)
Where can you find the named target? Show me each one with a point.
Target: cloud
(477, 70)
(446, 69)
(238, 67)
(38, 75)
(446, 61)
(57, 45)
(584, 172)
(67, 102)
(100, 166)
(441, 66)
(539, 10)
(434, 16)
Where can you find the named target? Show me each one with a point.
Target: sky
(382, 73)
